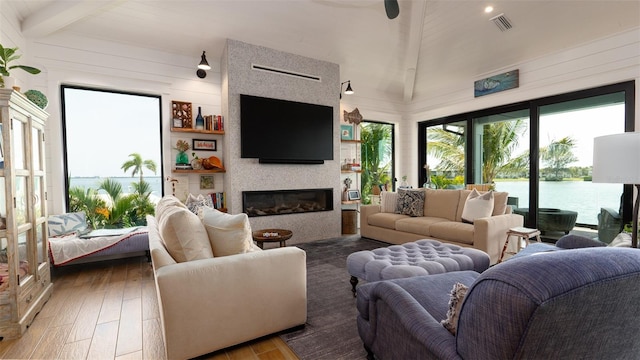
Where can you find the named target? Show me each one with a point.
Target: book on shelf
(213, 123)
(218, 200)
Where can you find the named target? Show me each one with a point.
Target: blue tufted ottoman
(422, 257)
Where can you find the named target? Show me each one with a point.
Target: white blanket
(68, 248)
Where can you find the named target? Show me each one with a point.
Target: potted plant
(8, 55)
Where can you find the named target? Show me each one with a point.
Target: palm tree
(557, 155)
(448, 146)
(499, 140)
(375, 145)
(138, 164)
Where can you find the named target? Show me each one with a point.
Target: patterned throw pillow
(458, 293)
(477, 206)
(388, 201)
(410, 202)
(194, 203)
(66, 223)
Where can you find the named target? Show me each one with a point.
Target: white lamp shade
(616, 158)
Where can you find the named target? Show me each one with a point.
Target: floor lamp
(616, 159)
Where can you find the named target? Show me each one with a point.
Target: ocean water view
(125, 181)
(584, 197)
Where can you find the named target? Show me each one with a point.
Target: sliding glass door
(541, 153)
(501, 154)
(568, 199)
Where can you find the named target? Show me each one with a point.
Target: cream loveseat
(208, 299)
(441, 220)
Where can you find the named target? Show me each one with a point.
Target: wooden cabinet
(25, 281)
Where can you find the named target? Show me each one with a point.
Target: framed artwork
(353, 195)
(206, 145)
(497, 83)
(206, 182)
(346, 132)
(181, 110)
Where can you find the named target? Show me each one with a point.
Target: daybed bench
(70, 242)
(74, 250)
(440, 219)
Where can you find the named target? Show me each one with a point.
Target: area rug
(330, 331)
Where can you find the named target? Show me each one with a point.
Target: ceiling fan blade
(392, 8)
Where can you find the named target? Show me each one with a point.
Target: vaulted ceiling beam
(418, 12)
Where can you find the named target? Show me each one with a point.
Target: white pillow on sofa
(228, 234)
(183, 234)
(477, 206)
(388, 201)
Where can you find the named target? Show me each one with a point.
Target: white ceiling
(428, 45)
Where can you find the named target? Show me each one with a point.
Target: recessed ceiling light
(488, 9)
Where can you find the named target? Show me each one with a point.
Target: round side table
(271, 235)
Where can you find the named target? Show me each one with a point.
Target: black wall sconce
(203, 66)
(348, 90)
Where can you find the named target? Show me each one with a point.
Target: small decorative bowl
(37, 98)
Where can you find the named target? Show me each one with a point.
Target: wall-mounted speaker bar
(285, 72)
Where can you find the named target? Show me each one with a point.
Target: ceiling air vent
(502, 22)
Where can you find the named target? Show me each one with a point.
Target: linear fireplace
(282, 202)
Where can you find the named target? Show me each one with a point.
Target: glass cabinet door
(40, 244)
(17, 146)
(36, 149)
(4, 265)
(21, 200)
(24, 270)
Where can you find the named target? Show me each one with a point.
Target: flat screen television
(285, 132)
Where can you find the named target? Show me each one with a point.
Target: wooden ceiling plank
(60, 14)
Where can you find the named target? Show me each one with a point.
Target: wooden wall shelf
(196, 131)
(198, 171)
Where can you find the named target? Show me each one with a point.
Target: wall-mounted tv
(285, 132)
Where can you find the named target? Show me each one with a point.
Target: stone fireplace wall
(238, 77)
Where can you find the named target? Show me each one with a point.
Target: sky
(104, 128)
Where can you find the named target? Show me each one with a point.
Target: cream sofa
(442, 221)
(213, 303)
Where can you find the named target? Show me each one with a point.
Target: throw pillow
(183, 235)
(60, 225)
(458, 292)
(477, 206)
(167, 202)
(410, 202)
(388, 201)
(194, 203)
(228, 234)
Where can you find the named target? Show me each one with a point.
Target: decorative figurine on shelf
(182, 159)
(199, 119)
(345, 190)
(196, 163)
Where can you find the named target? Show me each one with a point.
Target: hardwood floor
(109, 310)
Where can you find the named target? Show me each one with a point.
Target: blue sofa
(570, 304)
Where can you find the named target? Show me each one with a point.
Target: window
(540, 152)
(377, 157)
(112, 141)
